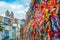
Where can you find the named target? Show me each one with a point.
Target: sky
(19, 7)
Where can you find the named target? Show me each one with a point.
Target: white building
(9, 25)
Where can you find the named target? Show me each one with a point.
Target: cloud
(18, 9)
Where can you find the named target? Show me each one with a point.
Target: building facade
(8, 27)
